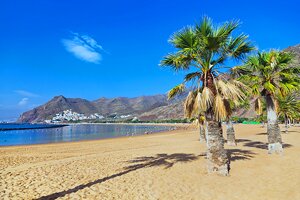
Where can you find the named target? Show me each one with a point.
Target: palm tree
(269, 75)
(205, 48)
(288, 108)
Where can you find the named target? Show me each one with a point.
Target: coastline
(29, 126)
(179, 127)
(166, 165)
(121, 123)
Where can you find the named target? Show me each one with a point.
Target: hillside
(103, 106)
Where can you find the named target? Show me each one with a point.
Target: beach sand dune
(168, 165)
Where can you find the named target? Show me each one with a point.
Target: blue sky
(91, 49)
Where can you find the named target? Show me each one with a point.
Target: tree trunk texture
(286, 124)
(202, 134)
(230, 134)
(218, 161)
(273, 130)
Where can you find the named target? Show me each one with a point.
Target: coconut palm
(205, 48)
(288, 108)
(269, 75)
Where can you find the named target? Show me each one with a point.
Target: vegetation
(288, 109)
(269, 75)
(205, 48)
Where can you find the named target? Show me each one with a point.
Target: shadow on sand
(261, 133)
(282, 132)
(258, 144)
(239, 154)
(164, 160)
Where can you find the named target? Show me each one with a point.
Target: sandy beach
(169, 165)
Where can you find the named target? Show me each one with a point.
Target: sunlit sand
(168, 165)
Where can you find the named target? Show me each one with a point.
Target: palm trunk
(217, 157)
(202, 134)
(216, 154)
(286, 123)
(230, 134)
(273, 130)
(202, 130)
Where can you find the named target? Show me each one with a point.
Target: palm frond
(239, 46)
(189, 104)
(207, 98)
(176, 91)
(219, 108)
(230, 91)
(184, 39)
(177, 61)
(258, 106)
(192, 76)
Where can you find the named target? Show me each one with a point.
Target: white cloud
(84, 47)
(23, 102)
(26, 93)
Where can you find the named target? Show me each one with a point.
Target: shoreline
(34, 126)
(178, 128)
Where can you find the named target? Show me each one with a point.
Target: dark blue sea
(40, 134)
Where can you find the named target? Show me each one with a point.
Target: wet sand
(168, 165)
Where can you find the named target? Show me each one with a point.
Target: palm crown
(205, 48)
(269, 73)
(288, 106)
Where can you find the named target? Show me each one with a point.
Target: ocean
(42, 134)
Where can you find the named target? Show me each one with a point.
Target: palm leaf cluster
(269, 73)
(288, 107)
(228, 92)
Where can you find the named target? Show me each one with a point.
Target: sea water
(75, 133)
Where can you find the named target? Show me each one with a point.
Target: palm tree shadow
(239, 154)
(289, 131)
(242, 140)
(165, 160)
(261, 133)
(282, 132)
(262, 145)
(258, 144)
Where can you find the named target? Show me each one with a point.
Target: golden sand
(159, 166)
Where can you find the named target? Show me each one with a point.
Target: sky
(92, 49)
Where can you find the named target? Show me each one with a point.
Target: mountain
(295, 50)
(56, 105)
(171, 111)
(123, 105)
(103, 106)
